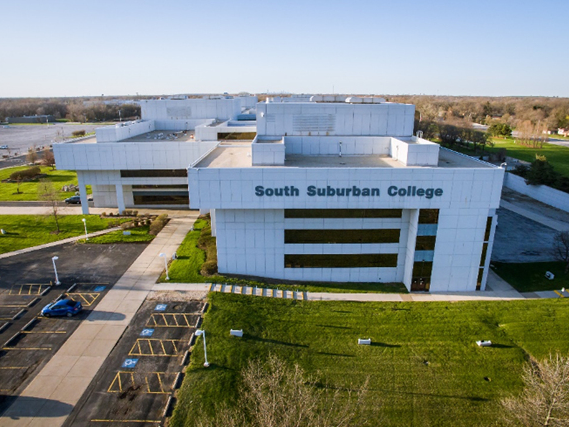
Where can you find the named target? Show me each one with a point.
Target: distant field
(557, 155)
(461, 384)
(29, 190)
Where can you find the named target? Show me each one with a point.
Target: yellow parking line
(160, 381)
(13, 367)
(43, 332)
(560, 294)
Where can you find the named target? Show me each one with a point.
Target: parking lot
(138, 379)
(28, 340)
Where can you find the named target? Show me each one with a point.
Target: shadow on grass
(442, 396)
(383, 344)
(501, 346)
(248, 337)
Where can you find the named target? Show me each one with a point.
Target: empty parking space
(27, 339)
(143, 371)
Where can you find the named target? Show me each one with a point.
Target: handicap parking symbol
(99, 289)
(129, 363)
(161, 307)
(147, 332)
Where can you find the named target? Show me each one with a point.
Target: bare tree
(32, 155)
(561, 248)
(18, 182)
(545, 398)
(48, 159)
(48, 193)
(277, 395)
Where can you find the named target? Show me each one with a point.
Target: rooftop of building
(163, 135)
(240, 156)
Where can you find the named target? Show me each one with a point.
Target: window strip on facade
(342, 236)
(424, 249)
(484, 252)
(343, 213)
(341, 261)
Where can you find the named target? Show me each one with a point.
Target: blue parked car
(65, 307)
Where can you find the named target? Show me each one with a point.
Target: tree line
(74, 109)
(550, 113)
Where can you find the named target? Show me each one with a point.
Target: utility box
(236, 332)
(484, 343)
(364, 341)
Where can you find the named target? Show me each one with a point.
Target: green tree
(500, 129)
(541, 172)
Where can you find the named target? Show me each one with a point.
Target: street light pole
(53, 259)
(201, 332)
(163, 255)
(85, 224)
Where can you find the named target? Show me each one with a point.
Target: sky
(436, 47)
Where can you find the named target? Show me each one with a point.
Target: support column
(213, 223)
(83, 193)
(120, 198)
(411, 243)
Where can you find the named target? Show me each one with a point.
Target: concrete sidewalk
(53, 393)
(500, 291)
(535, 216)
(56, 243)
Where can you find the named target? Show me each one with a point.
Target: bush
(158, 224)
(209, 268)
(26, 173)
(134, 213)
(126, 225)
(78, 133)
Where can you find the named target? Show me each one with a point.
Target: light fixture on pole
(53, 259)
(201, 332)
(85, 224)
(163, 255)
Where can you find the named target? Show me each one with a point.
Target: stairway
(260, 292)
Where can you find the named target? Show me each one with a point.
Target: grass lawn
(530, 277)
(186, 269)
(24, 231)
(557, 155)
(137, 235)
(29, 190)
(450, 390)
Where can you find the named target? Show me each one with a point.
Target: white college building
(326, 191)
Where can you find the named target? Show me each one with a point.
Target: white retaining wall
(543, 193)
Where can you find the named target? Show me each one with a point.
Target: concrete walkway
(535, 216)
(56, 243)
(500, 291)
(53, 393)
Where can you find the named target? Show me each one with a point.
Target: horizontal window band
(161, 200)
(340, 261)
(154, 173)
(343, 213)
(342, 236)
(158, 187)
(161, 193)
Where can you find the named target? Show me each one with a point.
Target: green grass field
(530, 277)
(137, 235)
(557, 155)
(24, 231)
(186, 269)
(322, 337)
(29, 190)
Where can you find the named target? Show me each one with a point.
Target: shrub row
(207, 243)
(26, 173)
(158, 224)
(78, 133)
